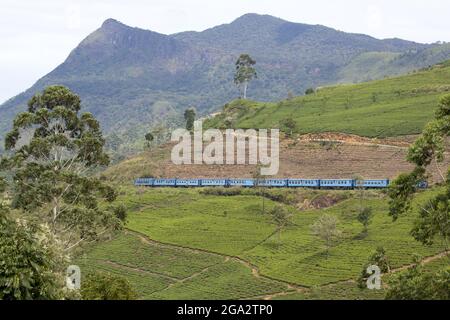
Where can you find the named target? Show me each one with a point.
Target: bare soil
(328, 155)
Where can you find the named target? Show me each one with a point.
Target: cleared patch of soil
(318, 156)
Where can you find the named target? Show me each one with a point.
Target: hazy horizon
(40, 35)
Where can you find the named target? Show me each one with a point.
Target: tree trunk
(245, 90)
(264, 202)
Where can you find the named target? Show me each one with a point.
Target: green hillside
(389, 107)
(188, 245)
(378, 65)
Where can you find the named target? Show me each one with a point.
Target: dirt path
(423, 262)
(291, 287)
(352, 281)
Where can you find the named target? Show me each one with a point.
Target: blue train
(270, 183)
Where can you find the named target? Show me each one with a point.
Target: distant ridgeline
(132, 79)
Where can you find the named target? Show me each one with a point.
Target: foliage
(53, 151)
(434, 220)
(189, 117)
(401, 192)
(149, 138)
(288, 125)
(365, 217)
(245, 72)
(120, 212)
(310, 91)
(282, 218)
(30, 261)
(415, 284)
(379, 259)
(105, 286)
(325, 228)
(2, 185)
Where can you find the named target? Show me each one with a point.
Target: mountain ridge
(133, 79)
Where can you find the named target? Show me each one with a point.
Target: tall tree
(282, 217)
(325, 228)
(365, 218)
(189, 117)
(245, 72)
(260, 182)
(434, 216)
(149, 137)
(52, 150)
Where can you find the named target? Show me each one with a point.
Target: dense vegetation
(49, 201)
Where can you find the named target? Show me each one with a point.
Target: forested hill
(132, 78)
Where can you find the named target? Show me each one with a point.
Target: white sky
(36, 36)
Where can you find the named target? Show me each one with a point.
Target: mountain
(133, 79)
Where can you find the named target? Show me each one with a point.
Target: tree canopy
(31, 263)
(245, 72)
(189, 117)
(434, 216)
(52, 152)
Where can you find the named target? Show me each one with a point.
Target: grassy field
(384, 108)
(224, 247)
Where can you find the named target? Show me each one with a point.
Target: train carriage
(337, 184)
(273, 183)
(303, 183)
(144, 182)
(372, 184)
(246, 183)
(164, 183)
(213, 182)
(187, 182)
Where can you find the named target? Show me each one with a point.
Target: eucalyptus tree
(52, 152)
(434, 215)
(245, 72)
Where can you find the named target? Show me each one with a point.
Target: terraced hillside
(184, 244)
(384, 108)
